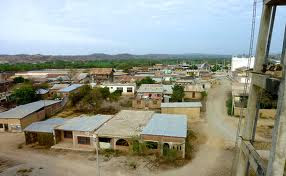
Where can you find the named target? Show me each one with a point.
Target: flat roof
(46, 126)
(84, 123)
(27, 109)
(127, 123)
(145, 88)
(70, 88)
(172, 125)
(182, 105)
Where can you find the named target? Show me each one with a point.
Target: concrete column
(253, 93)
(74, 140)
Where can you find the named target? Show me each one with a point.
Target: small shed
(42, 132)
(191, 109)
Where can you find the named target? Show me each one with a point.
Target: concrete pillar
(74, 140)
(253, 93)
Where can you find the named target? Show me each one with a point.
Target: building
(126, 89)
(5, 85)
(118, 132)
(194, 92)
(204, 66)
(78, 133)
(148, 96)
(43, 93)
(42, 132)
(67, 90)
(191, 109)
(101, 75)
(239, 62)
(81, 78)
(55, 88)
(165, 132)
(18, 118)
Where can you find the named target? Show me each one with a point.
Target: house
(164, 132)
(64, 92)
(81, 78)
(18, 118)
(42, 132)
(118, 132)
(126, 89)
(101, 75)
(194, 92)
(78, 133)
(55, 88)
(5, 85)
(191, 109)
(148, 96)
(204, 66)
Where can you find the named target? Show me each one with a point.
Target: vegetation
(138, 148)
(24, 94)
(146, 80)
(178, 93)
(18, 79)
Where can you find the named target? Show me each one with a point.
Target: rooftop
(70, 88)
(84, 123)
(27, 109)
(167, 125)
(127, 123)
(59, 86)
(194, 88)
(182, 105)
(46, 126)
(155, 88)
(101, 71)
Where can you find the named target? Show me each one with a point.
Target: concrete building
(67, 90)
(168, 132)
(42, 132)
(16, 119)
(191, 109)
(126, 89)
(101, 75)
(118, 132)
(78, 133)
(239, 62)
(55, 88)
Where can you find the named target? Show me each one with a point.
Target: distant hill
(20, 58)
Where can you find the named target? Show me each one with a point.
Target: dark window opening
(67, 134)
(194, 94)
(129, 89)
(122, 142)
(104, 140)
(83, 140)
(154, 102)
(1, 125)
(152, 145)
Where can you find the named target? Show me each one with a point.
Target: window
(129, 89)
(83, 140)
(194, 94)
(152, 145)
(67, 134)
(104, 140)
(122, 142)
(120, 89)
(1, 125)
(158, 95)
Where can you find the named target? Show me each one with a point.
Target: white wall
(238, 62)
(113, 88)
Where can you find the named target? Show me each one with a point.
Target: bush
(170, 155)
(229, 105)
(137, 147)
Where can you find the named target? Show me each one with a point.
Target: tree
(24, 94)
(178, 93)
(104, 92)
(146, 80)
(114, 96)
(18, 79)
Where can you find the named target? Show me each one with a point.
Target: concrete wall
(149, 104)
(189, 95)
(113, 88)
(263, 113)
(192, 113)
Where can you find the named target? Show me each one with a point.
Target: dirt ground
(213, 157)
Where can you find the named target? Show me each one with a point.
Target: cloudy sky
(130, 26)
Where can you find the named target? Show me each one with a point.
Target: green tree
(18, 79)
(24, 94)
(114, 96)
(178, 93)
(104, 92)
(146, 80)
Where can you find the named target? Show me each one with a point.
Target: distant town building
(239, 62)
(101, 75)
(126, 89)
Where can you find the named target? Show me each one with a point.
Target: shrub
(229, 105)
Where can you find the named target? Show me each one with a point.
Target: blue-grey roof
(46, 126)
(84, 123)
(172, 125)
(70, 88)
(182, 105)
(27, 109)
(42, 91)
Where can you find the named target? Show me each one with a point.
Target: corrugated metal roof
(167, 125)
(70, 88)
(59, 86)
(46, 126)
(84, 123)
(42, 91)
(156, 88)
(182, 105)
(24, 110)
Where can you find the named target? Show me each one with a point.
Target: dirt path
(213, 157)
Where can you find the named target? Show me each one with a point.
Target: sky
(71, 27)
